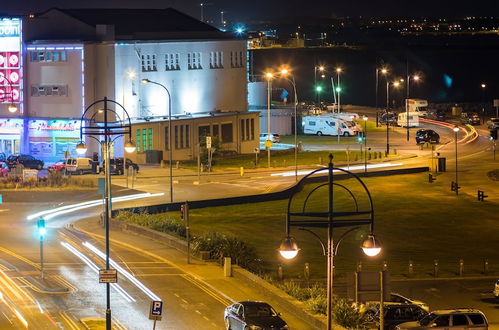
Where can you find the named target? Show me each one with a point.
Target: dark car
(2, 157)
(27, 161)
(395, 313)
(470, 118)
(117, 165)
(427, 135)
(252, 315)
(392, 118)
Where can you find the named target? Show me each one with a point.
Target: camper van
(417, 105)
(412, 122)
(328, 125)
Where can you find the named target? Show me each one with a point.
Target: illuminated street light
(384, 71)
(371, 246)
(395, 84)
(416, 78)
(338, 89)
(456, 130)
(268, 143)
(81, 148)
(288, 248)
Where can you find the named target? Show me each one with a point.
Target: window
(172, 61)
(167, 136)
(149, 139)
(182, 137)
(49, 90)
(194, 61)
(148, 62)
(216, 130)
(247, 129)
(203, 132)
(311, 123)
(476, 319)
(48, 56)
(138, 141)
(216, 60)
(442, 321)
(144, 139)
(227, 133)
(236, 59)
(459, 319)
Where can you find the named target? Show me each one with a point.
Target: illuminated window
(144, 139)
(138, 141)
(48, 56)
(172, 61)
(148, 62)
(227, 133)
(149, 139)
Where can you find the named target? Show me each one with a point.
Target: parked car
(391, 117)
(493, 123)
(117, 166)
(471, 118)
(396, 313)
(27, 161)
(398, 298)
(252, 315)
(58, 166)
(4, 169)
(427, 135)
(274, 137)
(3, 158)
(449, 319)
(80, 166)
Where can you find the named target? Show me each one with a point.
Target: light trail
(123, 272)
(95, 268)
(49, 214)
(14, 310)
(351, 168)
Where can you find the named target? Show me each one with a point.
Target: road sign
(108, 276)
(208, 142)
(268, 144)
(156, 310)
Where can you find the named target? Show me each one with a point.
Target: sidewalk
(209, 275)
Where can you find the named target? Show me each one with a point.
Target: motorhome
(417, 105)
(408, 119)
(328, 125)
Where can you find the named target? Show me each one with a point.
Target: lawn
(415, 220)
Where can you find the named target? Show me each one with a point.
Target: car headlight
(255, 327)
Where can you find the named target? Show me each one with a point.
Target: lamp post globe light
(301, 213)
(170, 150)
(96, 122)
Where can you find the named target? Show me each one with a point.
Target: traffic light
(318, 88)
(338, 89)
(493, 134)
(360, 137)
(41, 227)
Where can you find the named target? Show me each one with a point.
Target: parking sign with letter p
(156, 310)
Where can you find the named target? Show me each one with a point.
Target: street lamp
(268, 143)
(484, 86)
(284, 73)
(416, 78)
(321, 69)
(170, 151)
(395, 84)
(303, 217)
(456, 130)
(96, 127)
(365, 144)
(383, 71)
(338, 88)
(11, 107)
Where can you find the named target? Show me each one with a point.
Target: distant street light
(365, 144)
(395, 84)
(456, 130)
(338, 88)
(289, 247)
(383, 71)
(484, 86)
(269, 77)
(284, 73)
(416, 78)
(321, 69)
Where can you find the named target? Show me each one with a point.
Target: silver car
(449, 319)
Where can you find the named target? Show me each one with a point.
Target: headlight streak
(14, 310)
(49, 214)
(352, 168)
(94, 267)
(123, 272)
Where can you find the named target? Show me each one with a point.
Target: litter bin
(441, 164)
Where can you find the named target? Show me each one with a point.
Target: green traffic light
(41, 227)
(338, 89)
(318, 88)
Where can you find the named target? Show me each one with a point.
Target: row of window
(48, 56)
(194, 61)
(49, 90)
(181, 134)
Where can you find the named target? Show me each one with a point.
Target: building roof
(146, 24)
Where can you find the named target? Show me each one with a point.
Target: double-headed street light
(96, 122)
(170, 149)
(303, 215)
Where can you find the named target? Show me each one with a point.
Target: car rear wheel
(319, 133)
(346, 134)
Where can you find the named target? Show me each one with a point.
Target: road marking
(198, 312)
(207, 319)
(64, 282)
(176, 295)
(185, 301)
(151, 275)
(15, 255)
(69, 320)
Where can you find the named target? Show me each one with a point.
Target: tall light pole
(483, 86)
(384, 71)
(416, 78)
(284, 73)
(170, 151)
(269, 77)
(338, 89)
(365, 144)
(289, 247)
(321, 69)
(456, 130)
(395, 84)
(92, 125)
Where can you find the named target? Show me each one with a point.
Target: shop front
(11, 131)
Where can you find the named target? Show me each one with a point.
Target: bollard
(411, 268)
(306, 271)
(227, 267)
(241, 171)
(176, 164)
(320, 160)
(431, 178)
(435, 268)
(359, 266)
(485, 266)
(385, 265)
(279, 273)
(461, 267)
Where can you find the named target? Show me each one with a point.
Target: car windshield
(259, 310)
(427, 319)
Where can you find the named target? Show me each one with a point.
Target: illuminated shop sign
(54, 125)
(10, 60)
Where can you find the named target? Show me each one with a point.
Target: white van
(418, 106)
(79, 165)
(412, 122)
(327, 125)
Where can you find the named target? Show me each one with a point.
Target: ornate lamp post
(329, 219)
(97, 126)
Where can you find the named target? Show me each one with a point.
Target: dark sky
(240, 10)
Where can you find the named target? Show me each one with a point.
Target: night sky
(256, 10)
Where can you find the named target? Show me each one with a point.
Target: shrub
(157, 222)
